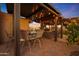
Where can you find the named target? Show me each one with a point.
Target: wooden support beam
(49, 9)
(0, 7)
(61, 35)
(35, 12)
(56, 18)
(1, 28)
(16, 28)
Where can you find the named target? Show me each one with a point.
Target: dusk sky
(66, 9)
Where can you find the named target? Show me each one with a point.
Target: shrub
(72, 32)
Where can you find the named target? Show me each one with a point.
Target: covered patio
(32, 29)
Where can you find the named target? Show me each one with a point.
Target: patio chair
(8, 37)
(9, 40)
(38, 37)
(27, 38)
(24, 39)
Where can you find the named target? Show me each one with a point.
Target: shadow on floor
(74, 53)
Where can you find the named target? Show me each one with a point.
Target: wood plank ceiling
(35, 10)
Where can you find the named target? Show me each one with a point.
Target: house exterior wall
(7, 24)
(24, 24)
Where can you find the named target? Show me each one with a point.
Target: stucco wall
(24, 24)
(7, 24)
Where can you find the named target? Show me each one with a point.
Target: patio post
(1, 32)
(0, 7)
(16, 28)
(56, 18)
(41, 25)
(61, 28)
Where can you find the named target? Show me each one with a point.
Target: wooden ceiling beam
(53, 12)
(38, 10)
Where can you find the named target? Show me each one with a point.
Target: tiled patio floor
(51, 48)
(48, 48)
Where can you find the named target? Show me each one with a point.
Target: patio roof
(26, 8)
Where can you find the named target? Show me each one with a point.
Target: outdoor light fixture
(47, 26)
(59, 26)
(49, 13)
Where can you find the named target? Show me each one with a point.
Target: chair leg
(39, 41)
(34, 43)
(29, 45)
(22, 43)
(42, 40)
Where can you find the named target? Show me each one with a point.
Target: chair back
(39, 33)
(7, 36)
(24, 34)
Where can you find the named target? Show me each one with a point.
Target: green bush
(72, 33)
